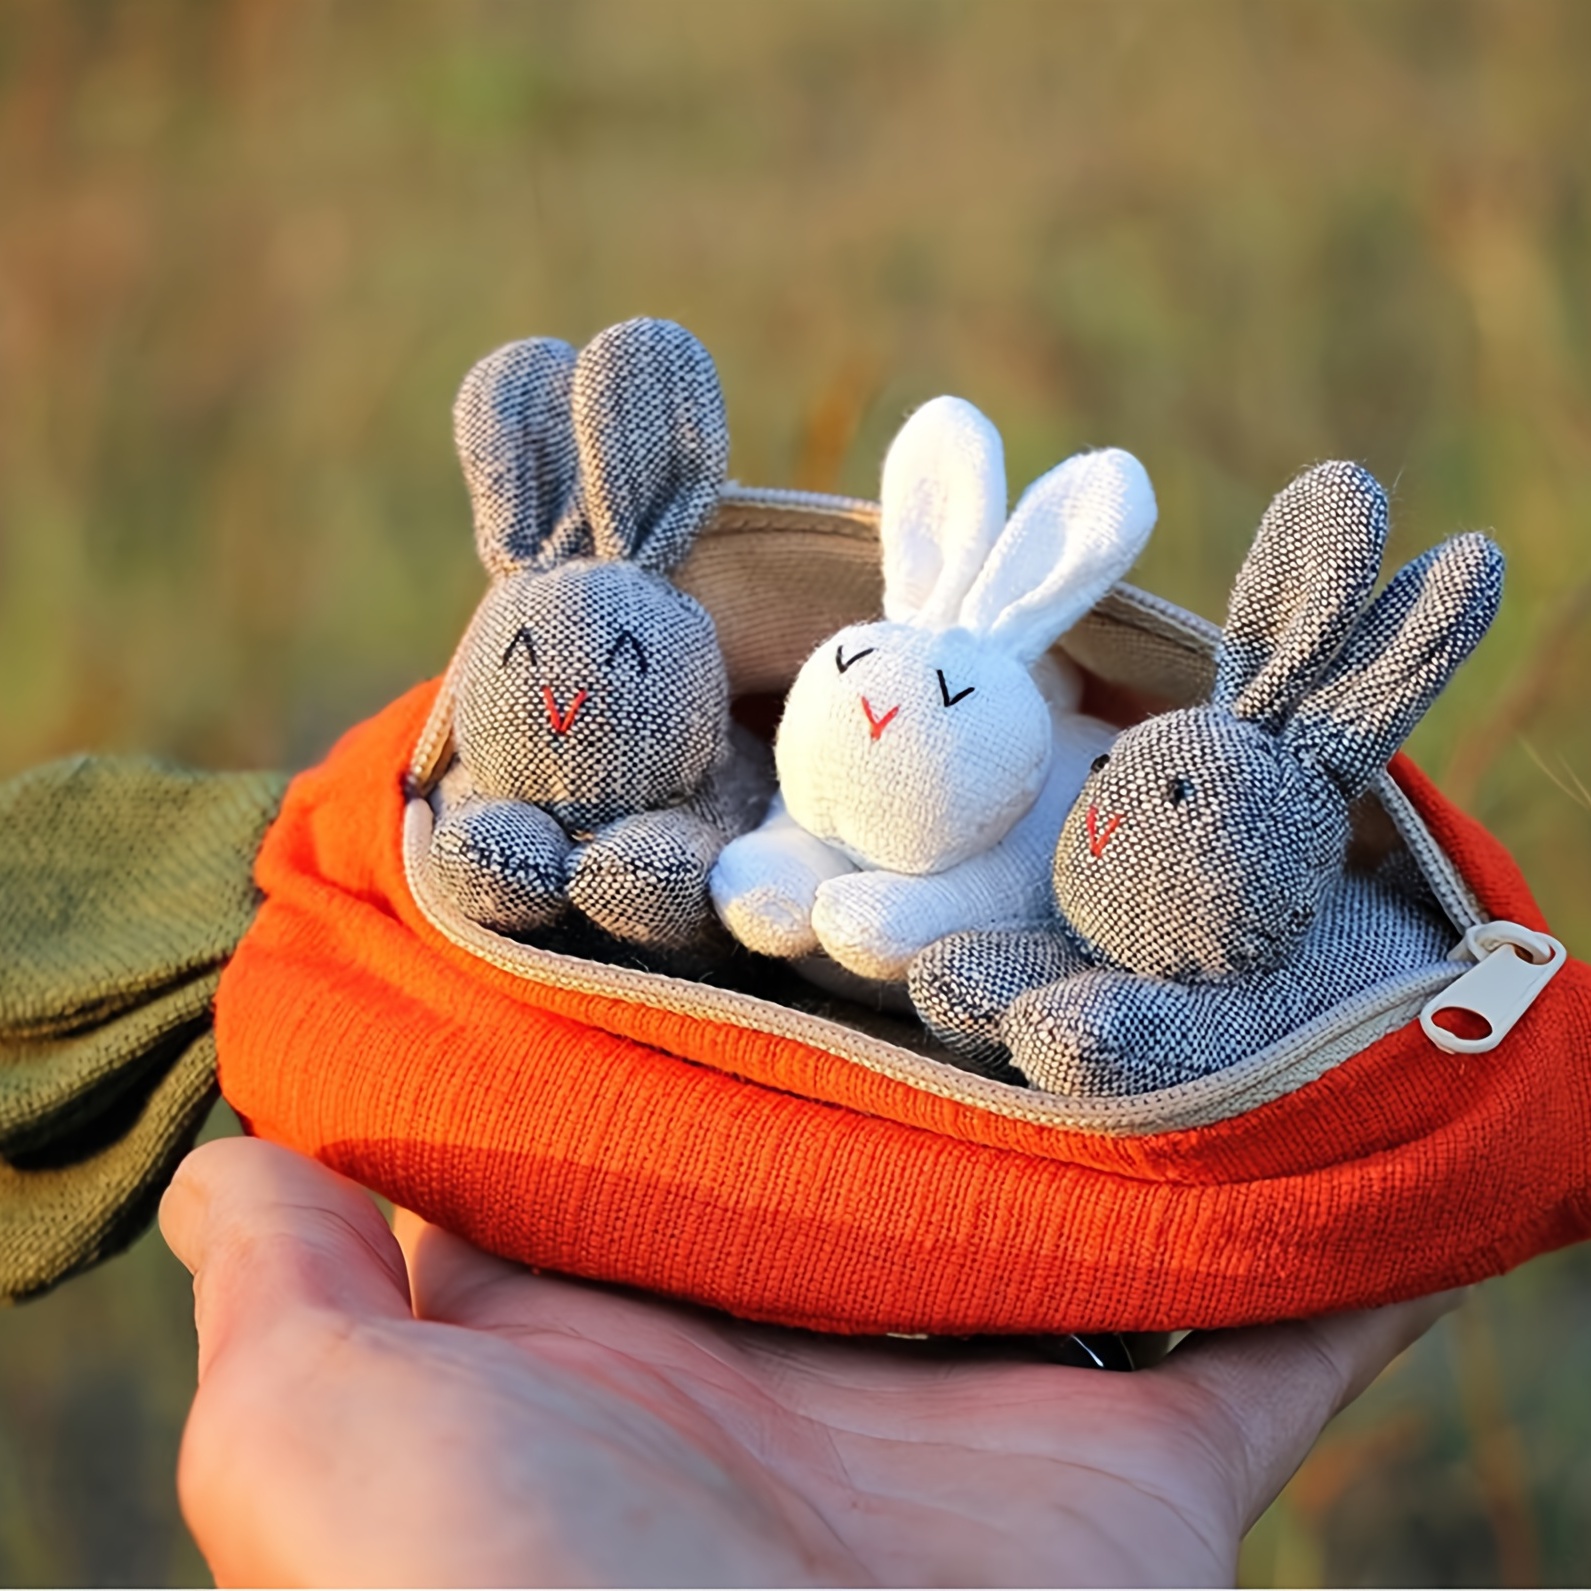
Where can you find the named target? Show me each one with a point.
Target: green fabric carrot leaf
(125, 883)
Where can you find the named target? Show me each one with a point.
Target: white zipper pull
(1514, 964)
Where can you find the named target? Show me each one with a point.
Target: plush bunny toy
(595, 760)
(1205, 909)
(926, 760)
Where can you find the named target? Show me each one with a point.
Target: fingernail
(182, 1213)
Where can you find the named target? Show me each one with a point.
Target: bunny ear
(516, 444)
(943, 500)
(1431, 616)
(1075, 533)
(1305, 581)
(653, 438)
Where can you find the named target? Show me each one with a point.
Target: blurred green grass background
(248, 248)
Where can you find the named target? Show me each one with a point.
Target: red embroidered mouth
(561, 721)
(1097, 839)
(878, 725)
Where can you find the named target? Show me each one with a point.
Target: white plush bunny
(927, 760)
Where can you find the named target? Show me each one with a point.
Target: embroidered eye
(1098, 764)
(944, 690)
(627, 642)
(524, 642)
(842, 662)
(1179, 789)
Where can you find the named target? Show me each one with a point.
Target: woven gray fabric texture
(1311, 569)
(594, 690)
(502, 863)
(517, 450)
(644, 878)
(653, 438)
(1431, 616)
(591, 692)
(1200, 850)
(1206, 851)
(1034, 1002)
(641, 879)
(963, 985)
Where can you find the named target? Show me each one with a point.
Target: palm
(818, 1459)
(528, 1428)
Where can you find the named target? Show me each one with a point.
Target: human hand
(431, 1415)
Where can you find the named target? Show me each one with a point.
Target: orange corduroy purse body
(747, 1142)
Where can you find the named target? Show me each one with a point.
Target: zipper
(1450, 887)
(1297, 1059)
(733, 496)
(1513, 964)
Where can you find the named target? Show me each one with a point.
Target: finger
(1271, 1390)
(291, 1265)
(268, 1233)
(453, 1281)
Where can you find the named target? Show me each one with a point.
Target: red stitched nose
(1099, 838)
(561, 722)
(878, 725)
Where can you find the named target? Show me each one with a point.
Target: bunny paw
(502, 864)
(644, 879)
(769, 919)
(764, 885)
(874, 923)
(765, 898)
(1108, 1034)
(963, 984)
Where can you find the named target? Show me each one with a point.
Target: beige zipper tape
(1450, 887)
(1300, 1058)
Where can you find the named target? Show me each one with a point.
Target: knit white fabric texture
(926, 760)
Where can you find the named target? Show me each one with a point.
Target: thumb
(288, 1261)
(268, 1235)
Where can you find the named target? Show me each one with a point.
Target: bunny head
(589, 684)
(915, 742)
(1203, 845)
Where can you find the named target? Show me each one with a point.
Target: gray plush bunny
(596, 764)
(1205, 910)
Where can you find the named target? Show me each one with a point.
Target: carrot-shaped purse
(738, 1137)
